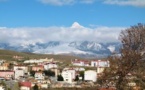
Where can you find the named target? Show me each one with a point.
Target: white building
(100, 69)
(79, 69)
(25, 68)
(39, 76)
(19, 73)
(33, 61)
(100, 63)
(50, 65)
(43, 83)
(80, 63)
(24, 88)
(39, 61)
(1, 62)
(90, 75)
(69, 75)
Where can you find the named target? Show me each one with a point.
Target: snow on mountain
(111, 48)
(63, 48)
(78, 48)
(86, 45)
(76, 25)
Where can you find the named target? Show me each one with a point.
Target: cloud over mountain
(76, 32)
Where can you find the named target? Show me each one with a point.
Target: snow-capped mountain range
(78, 48)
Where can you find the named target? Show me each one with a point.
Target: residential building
(32, 61)
(43, 83)
(18, 57)
(39, 75)
(25, 85)
(69, 75)
(38, 61)
(8, 74)
(25, 68)
(3, 67)
(80, 63)
(50, 65)
(79, 69)
(19, 73)
(1, 62)
(38, 68)
(90, 75)
(5, 64)
(100, 63)
(100, 70)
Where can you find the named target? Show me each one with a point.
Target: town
(72, 44)
(49, 73)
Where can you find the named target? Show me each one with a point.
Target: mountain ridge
(77, 48)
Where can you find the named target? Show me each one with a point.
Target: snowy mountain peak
(76, 25)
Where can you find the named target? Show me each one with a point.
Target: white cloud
(88, 1)
(140, 3)
(65, 2)
(31, 35)
(58, 2)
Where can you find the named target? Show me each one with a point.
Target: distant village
(49, 73)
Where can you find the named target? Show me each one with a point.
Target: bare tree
(131, 60)
(133, 38)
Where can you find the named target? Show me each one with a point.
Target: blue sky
(31, 21)
(45, 13)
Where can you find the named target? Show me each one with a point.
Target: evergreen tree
(49, 73)
(82, 75)
(77, 78)
(35, 87)
(32, 73)
(60, 78)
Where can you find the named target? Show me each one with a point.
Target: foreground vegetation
(127, 71)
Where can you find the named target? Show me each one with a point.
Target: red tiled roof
(6, 71)
(107, 89)
(39, 72)
(78, 61)
(51, 63)
(39, 66)
(26, 84)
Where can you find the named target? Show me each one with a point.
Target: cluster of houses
(23, 73)
(91, 63)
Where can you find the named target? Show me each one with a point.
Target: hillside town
(49, 73)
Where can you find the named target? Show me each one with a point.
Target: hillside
(8, 55)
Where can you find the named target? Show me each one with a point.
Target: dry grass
(8, 55)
